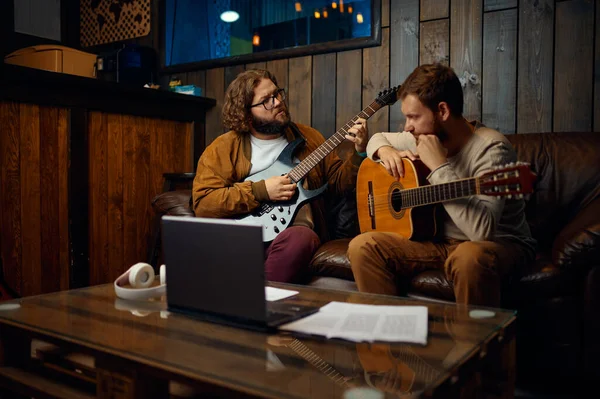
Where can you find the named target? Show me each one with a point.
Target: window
(226, 31)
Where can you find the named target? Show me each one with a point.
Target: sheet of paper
(275, 294)
(358, 323)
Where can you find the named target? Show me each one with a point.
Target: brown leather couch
(557, 298)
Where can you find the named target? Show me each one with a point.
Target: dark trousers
(288, 256)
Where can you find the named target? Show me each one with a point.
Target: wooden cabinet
(80, 161)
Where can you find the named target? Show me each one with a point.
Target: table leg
(499, 378)
(119, 381)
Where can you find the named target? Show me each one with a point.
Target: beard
(440, 131)
(271, 127)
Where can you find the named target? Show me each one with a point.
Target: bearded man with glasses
(260, 128)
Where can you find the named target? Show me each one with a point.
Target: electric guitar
(277, 216)
(404, 206)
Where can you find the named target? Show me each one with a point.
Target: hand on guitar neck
(280, 188)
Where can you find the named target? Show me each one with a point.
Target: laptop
(215, 271)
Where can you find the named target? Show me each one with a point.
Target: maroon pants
(288, 256)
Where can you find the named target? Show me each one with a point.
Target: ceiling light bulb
(230, 16)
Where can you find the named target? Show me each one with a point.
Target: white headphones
(141, 276)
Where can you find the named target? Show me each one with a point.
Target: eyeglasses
(269, 102)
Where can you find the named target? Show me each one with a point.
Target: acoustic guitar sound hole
(396, 200)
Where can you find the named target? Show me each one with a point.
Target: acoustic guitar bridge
(371, 202)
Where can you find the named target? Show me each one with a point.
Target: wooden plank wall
(128, 155)
(526, 66)
(34, 220)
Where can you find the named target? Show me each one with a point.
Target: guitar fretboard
(302, 169)
(306, 353)
(438, 192)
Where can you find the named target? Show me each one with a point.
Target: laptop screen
(214, 266)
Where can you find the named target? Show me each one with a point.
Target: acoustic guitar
(277, 216)
(406, 206)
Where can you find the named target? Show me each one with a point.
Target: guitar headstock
(388, 96)
(512, 180)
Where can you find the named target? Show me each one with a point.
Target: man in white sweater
(484, 238)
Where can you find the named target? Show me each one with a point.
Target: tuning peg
(509, 196)
(520, 196)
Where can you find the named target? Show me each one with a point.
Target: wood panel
(500, 70)
(597, 74)
(30, 199)
(385, 13)
(34, 223)
(465, 52)
(404, 50)
(279, 68)
(434, 9)
(573, 80)
(300, 89)
(494, 5)
(128, 156)
(376, 66)
(349, 83)
(63, 161)
(215, 88)
(10, 186)
(534, 92)
(323, 93)
(98, 202)
(53, 185)
(257, 65)
(435, 42)
(130, 182)
(115, 211)
(231, 72)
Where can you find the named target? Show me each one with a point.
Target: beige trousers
(475, 268)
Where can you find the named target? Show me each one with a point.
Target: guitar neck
(302, 169)
(307, 354)
(437, 193)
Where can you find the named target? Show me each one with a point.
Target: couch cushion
(433, 284)
(333, 283)
(331, 260)
(542, 281)
(568, 168)
(174, 203)
(578, 244)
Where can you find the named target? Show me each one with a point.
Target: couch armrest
(174, 203)
(578, 244)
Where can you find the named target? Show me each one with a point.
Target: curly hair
(433, 84)
(239, 96)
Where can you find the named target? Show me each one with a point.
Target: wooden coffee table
(87, 343)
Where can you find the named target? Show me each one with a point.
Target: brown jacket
(220, 191)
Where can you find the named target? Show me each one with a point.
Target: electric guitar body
(276, 216)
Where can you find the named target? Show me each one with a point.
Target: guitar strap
(296, 131)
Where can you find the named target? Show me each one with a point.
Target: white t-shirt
(265, 152)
